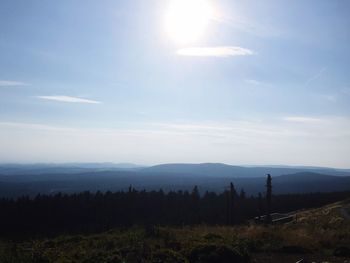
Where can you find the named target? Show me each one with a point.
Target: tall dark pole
(268, 198)
(228, 207)
(231, 204)
(260, 206)
(233, 195)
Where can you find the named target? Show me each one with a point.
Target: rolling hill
(211, 177)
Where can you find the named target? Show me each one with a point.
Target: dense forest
(88, 212)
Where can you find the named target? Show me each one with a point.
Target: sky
(159, 81)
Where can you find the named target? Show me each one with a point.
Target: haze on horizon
(148, 82)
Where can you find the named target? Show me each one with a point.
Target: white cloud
(253, 85)
(253, 82)
(11, 83)
(223, 51)
(62, 98)
(35, 126)
(302, 119)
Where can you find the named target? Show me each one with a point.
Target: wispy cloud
(345, 91)
(302, 119)
(330, 97)
(35, 126)
(249, 25)
(314, 77)
(11, 83)
(253, 82)
(221, 51)
(337, 95)
(69, 99)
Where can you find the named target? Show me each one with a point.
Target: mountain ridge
(235, 170)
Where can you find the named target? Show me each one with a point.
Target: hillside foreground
(316, 235)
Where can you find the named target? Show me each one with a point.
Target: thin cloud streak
(253, 82)
(11, 83)
(314, 77)
(301, 119)
(69, 99)
(224, 51)
(35, 126)
(247, 25)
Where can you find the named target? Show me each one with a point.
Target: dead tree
(268, 198)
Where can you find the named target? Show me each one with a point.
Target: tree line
(91, 212)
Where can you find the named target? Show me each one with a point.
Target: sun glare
(186, 20)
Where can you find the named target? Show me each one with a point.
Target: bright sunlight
(186, 20)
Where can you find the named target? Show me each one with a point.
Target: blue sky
(267, 82)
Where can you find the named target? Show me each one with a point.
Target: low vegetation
(321, 234)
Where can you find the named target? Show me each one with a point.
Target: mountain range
(17, 180)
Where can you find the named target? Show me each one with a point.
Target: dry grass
(317, 231)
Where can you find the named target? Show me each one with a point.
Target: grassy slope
(317, 235)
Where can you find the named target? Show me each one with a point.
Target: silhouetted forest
(91, 212)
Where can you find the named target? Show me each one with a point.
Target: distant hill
(211, 169)
(310, 182)
(211, 177)
(203, 169)
(65, 168)
(223, 170)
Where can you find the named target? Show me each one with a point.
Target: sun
(187, 20)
